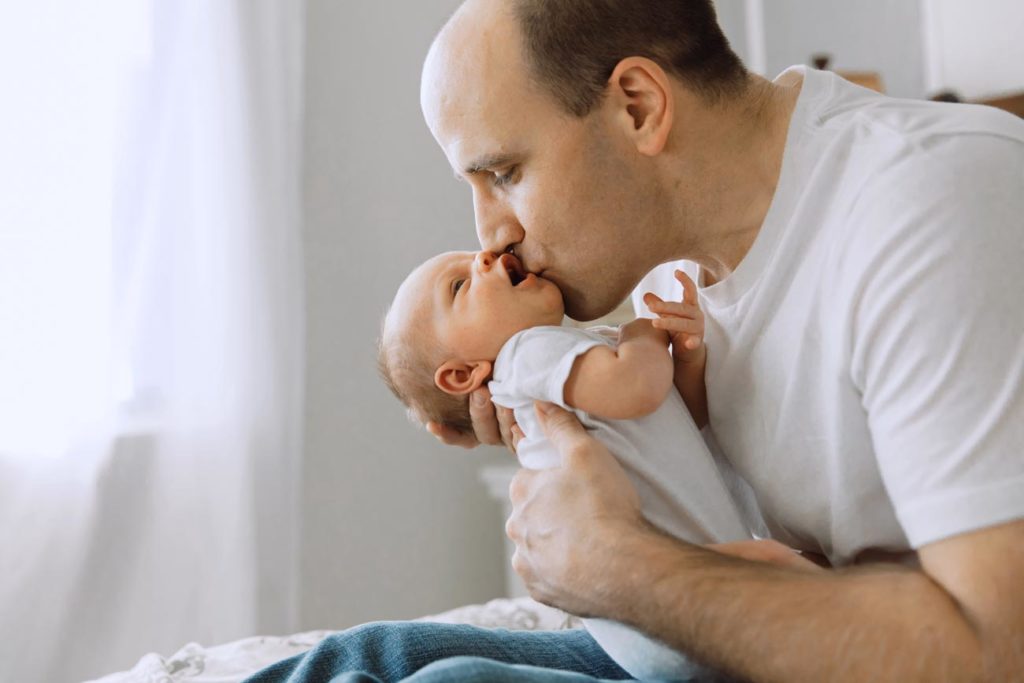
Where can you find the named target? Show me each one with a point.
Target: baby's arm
(623, 383)
(684, 321)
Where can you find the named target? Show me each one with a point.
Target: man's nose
(496, 225)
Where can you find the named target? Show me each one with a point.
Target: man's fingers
(485, 422)
(517, 436)
(561, 427)
(689, 288)
(520, 486)
(451, 437)
(506, 421)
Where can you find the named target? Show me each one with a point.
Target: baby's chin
(547, 316)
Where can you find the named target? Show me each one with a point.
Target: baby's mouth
(513, 268)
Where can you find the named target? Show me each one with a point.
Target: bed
(232, 662)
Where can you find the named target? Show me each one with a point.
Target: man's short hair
(573, 46)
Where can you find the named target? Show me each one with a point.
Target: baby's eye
(457, 286)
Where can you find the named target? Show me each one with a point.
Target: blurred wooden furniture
(866, 79)
(1011, 103)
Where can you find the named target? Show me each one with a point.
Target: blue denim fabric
(422, 652)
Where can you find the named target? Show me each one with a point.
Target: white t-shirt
(678, 481)
(866, 358)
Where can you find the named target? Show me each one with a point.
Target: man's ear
(641, 93)
(459, 378)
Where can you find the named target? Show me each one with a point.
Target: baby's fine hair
(408, 371)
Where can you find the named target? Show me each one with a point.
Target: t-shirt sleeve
(536, 362)
(937, 336)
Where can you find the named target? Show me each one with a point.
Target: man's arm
(878, 623)
(960, 618)
(626, 382)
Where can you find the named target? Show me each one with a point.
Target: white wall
(732, 17)
(881, 35)
(395, 525)
(975, 48)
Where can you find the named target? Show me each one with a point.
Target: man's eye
(506, 178)
(457, 286)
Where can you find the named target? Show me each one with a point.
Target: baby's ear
(459, 378)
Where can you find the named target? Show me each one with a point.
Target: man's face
(472, 303)
(566, 194)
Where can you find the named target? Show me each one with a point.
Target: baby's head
(447, 324)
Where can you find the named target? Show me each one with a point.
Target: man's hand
(755, 610)
(565, 520)
(492, 424)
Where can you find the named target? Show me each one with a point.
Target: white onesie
(681, 487)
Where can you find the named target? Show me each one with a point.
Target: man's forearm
(768, 623)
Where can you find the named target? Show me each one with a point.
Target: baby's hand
(684, 321)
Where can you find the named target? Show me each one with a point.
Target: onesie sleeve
(535, 364)
(937, 336)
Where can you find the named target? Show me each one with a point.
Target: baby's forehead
(416, 296)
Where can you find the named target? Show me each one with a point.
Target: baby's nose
(484, 260)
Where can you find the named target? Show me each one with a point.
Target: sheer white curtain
(151, 328)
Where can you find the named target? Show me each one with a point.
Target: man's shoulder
(940, 178)
(952, 171)
(912, 121)
(882, 141)
(863, 166)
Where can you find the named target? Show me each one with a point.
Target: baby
(463, 319)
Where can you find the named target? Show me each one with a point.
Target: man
(859, 264)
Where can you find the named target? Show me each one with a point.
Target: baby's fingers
(679, 326)
(674, 308)
(652, 299)
(689, 288)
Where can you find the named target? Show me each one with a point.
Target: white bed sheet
(232, 662)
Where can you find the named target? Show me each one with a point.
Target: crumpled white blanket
(232, 662)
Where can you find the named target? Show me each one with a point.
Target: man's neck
(744, 145)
